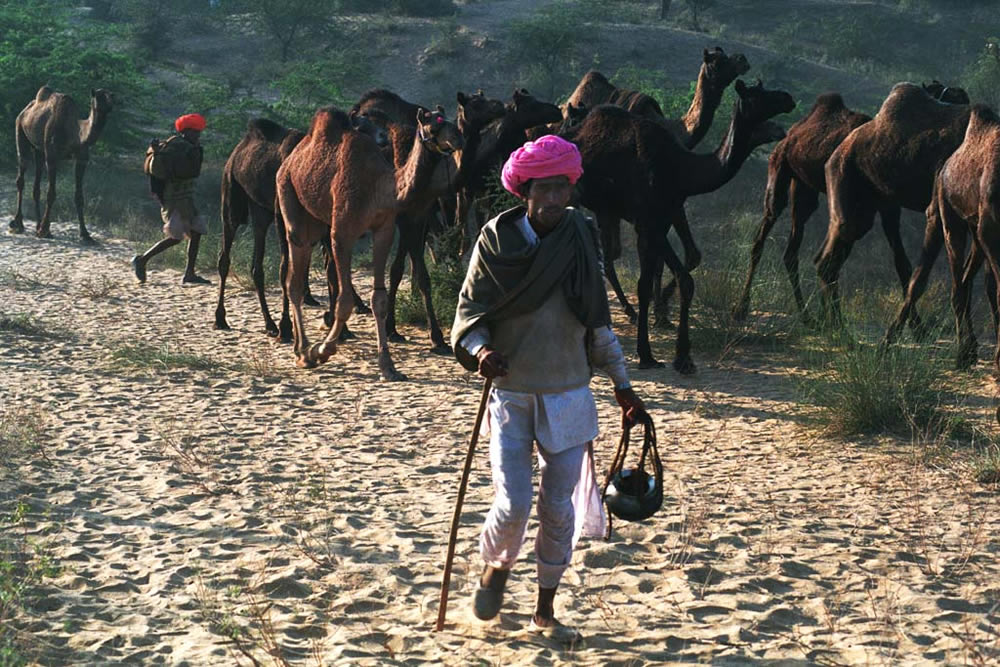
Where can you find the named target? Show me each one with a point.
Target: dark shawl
(508, 278)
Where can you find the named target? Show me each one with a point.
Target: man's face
(547, 202)
(193, 136)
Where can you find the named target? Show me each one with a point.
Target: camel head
(101, 100)
(478, 110)
(438, 133)
(574, 116)
(946, 94)
(721, 70)
(365, 123)
(757, 104)
(529, 111)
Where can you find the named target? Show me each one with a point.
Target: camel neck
(90, 129)
(710, 171)
(700, 114)
(414, 179)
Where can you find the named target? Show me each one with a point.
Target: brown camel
(795, 176)
(473, 114)
(717, 71)
(248, 192)
(573, 116)
(338, 182)
(966, 200)
(889, 161)
(497, 141)
(635, 169)
(49, 127)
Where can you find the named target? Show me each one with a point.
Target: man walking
(173, 166)
(533, 314)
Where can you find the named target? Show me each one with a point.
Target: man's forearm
(475, 340)
(606, 354)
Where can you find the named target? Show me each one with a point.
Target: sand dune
(229, 490)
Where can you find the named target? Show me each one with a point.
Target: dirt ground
(184, 498)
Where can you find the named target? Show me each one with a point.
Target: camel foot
(396, 337)
(222, 325)
(310, 300)
(43, 234)
(305, 362)
(442, 349)
(388, 373)
(362, 309)
(88, 240)
(346, 334)
(968, 355)
(327, 319)
(323, 351)
(741, 312)
(285, 330)
(650, 363)
(16, 227)
(271, 330)
(685, 366)
(630, 313)
(139, 268)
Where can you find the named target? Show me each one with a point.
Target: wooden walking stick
(443, 605)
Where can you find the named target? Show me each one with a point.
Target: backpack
(175, 159)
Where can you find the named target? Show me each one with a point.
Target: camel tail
(234, 203)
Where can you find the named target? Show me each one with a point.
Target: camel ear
(422, 114)
(440, 109)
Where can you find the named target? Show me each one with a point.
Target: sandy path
(174, 496)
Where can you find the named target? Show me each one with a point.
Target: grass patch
(24, 565)
(866, 389)
(160, 357)
(23, 432)
(24, 324)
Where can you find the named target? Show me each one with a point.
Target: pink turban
(543, 158)
(191, 121)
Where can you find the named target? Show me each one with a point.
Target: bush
(548, 44)
(982, 78)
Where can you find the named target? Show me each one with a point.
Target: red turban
(191, 121)
(546, 157)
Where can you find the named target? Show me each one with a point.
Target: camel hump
(266, 129)
(595, 77)
(329, 122)
(830, 102)
(378, 94)
(982, 119)
(291, 140)
(44, 93)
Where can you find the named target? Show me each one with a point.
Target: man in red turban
(533, 315)
(172, 167)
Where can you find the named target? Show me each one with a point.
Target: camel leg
(890, 227)
(775, 200)
(988, 233)
(285, 329)
(405, 224)
(845, 228)
(683, 363)
(235, 212)
(381, 244)
(611, 243)
(333, 287)
(23, 146)
(43, 230)
(933, 240)
(804, 202)
(79, 171)
(647, 269)
(261, 221)
(307, 297)
(423, 280)
(298, 261)
(955, 237)
(228, 234)
(36, 189)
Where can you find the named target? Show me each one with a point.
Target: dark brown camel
(474, 113)
(889, 161)
(717, 72)
(967, 200)
(635, 169)
(572, 116)
(50, 130)
(497, 141)
(248, 193)
(795, 176)
(338, 182)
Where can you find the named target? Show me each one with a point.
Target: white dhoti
(569, 504)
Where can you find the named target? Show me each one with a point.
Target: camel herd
(389, 164)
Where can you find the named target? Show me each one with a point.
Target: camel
(338, 182)
(473, 114)
(49, 127)
(572, 116)
(497, 141)
(889, 161)
(717, 71)
(795, 176)
(248, 192)
(635, 169)
(966, 200)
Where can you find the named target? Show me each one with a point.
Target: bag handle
(618, 462)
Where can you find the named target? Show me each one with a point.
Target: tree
(696, 7)
(664, 8)
(287, 21)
